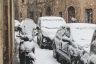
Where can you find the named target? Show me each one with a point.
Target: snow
(85, 58)
(50, 25)
(42, 56)
(52, 22)
(32, 55)
(49, 32)
(27, 45)
(17, 23)
(27, 26)
(82, 34)
(45, 56)
(17, 39)
(93, 58)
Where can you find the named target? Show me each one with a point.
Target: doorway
(71, 13)
(48, 11)
(88, 15)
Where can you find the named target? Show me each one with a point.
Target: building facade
(32, 9)
(45, 7)
(82, 10)
(25, 9)
(20, 8)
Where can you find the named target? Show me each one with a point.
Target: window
(22, 1)
(71, 13)
(60, 14)
(48, 11)
(32, 15)
(20, 15)
(88, 15)
(40, 14)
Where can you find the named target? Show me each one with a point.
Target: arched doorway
(48, 11)
(71, 13)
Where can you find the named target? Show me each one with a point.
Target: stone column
(1, 36)
(8, 31)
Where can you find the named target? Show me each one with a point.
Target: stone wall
(79, 5)
(20, 9)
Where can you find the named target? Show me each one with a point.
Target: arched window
(71, 13)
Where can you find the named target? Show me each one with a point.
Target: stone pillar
(8, 31)
(1, 29)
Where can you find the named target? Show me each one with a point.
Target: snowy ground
(44, 56)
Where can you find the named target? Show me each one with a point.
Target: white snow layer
(44, 56)
(27, 26)
(17, 23)
(50, 25)
(82, 34)
(93, 58)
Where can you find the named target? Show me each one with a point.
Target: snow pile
(81, 25)
(85, 58)
(32, 55)
(45, 56)
(82, 34)
(52, 22)
(28, 29)
(93, 58)
(17, 23)
(17, 39)
(50, 25)
(50, 33)
(27, 45)
(28, 26)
